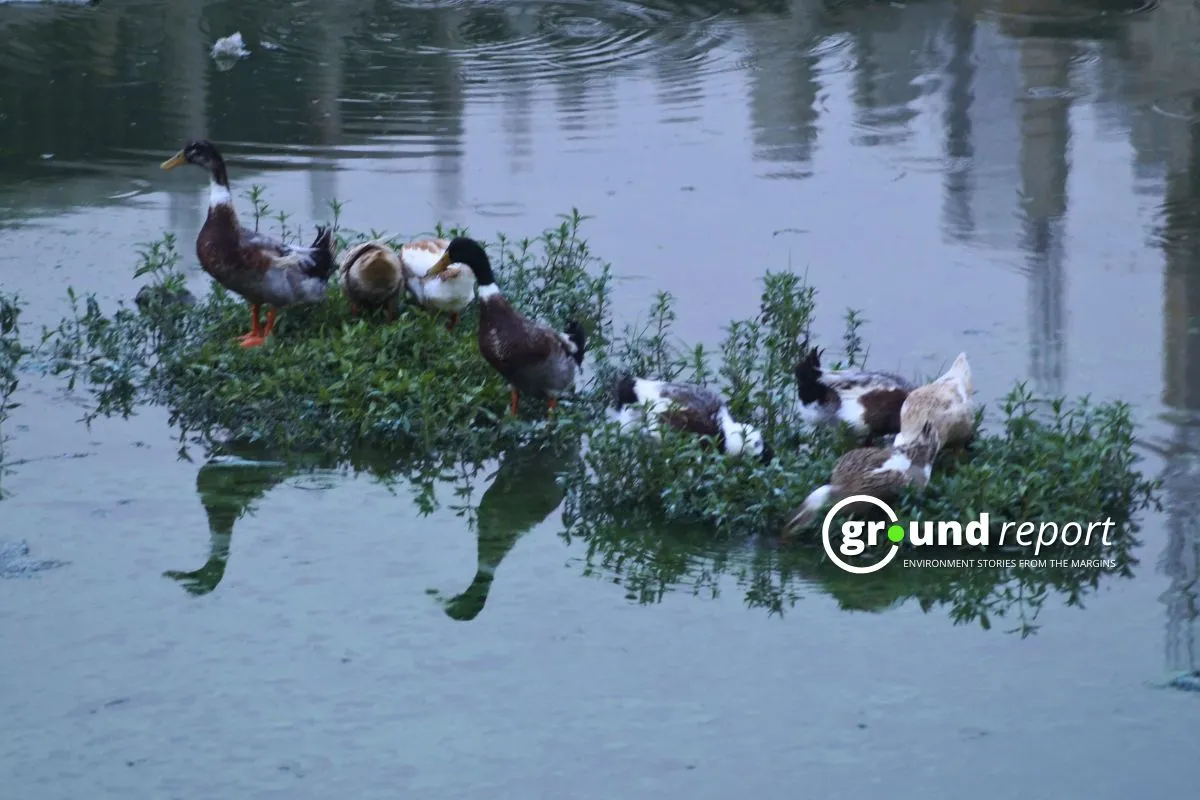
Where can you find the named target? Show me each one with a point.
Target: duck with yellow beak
(532, 357)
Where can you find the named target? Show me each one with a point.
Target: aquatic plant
(329, 383)
(411, 400)
(11, 353)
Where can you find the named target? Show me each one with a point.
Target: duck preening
(371, 276)
(644, 404)
(881, 472)
(946, 403)
(532, 357)
(868, 401)
(449, 290)
(263, 270)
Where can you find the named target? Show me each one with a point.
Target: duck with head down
(881, 472)
(263, 270)
(646, 405)
(532, 357)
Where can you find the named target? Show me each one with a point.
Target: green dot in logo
(896, 533)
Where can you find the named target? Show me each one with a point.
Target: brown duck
(263, 270)
(881, 472)
(532, 357)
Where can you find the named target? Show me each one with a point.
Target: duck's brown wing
(261, 251)
(857, 462)
(694, 408)
(513, 344)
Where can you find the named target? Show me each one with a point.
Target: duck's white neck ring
(489, 291)
(219, 194)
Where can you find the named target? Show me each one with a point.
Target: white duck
(868, 401)
(946, 403)
(449, 290)
(646, 405)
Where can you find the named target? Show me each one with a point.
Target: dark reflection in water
(1180, 559)
(228, 487)
(524, 492)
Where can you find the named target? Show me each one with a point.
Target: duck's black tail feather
(324, 262)
(808, 377)
(574, 331)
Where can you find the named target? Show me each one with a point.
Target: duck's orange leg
(353, 310)
(552, 403)
(515, 402)
(453, 321)
(261, 339)
(255, 326)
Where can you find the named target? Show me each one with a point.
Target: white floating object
(230, 47)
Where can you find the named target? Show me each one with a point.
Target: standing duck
(532, 357)
(686, 407)
(868, 401)
(371, 276)
(263, 270)
(945, 403)
(450, 290)
(881, 472)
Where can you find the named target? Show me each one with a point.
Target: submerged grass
(421, 399)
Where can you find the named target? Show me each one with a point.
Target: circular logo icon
(832, 552)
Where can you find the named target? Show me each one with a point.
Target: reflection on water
(1180, 559)
(228, 487)
(524, 492)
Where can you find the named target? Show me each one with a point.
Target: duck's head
(200, 152)
(465, 250)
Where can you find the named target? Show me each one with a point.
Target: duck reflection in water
(524, 493)
(228, 486)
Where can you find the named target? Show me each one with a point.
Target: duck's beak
(440, 266)
(174, 161)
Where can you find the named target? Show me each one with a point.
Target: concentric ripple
(532, 41)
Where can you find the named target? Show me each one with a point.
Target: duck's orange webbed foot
(253, 341)
(255, 326)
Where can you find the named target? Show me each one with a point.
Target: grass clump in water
(11, 354)
(1045, 461)
(326, 381)
(332, 384)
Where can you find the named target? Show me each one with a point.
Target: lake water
(1019, 180)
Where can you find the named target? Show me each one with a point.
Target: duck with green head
(532, 357)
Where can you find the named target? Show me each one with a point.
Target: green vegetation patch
(418, 398)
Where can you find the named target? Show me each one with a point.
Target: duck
(533, 358)
(451, 290)
(261, 269)
(371, 275)
(646, 404)
(868, 401)
(946, 403)
(881, 472)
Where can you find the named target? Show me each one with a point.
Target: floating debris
(15, 561)
(227, 51)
